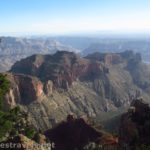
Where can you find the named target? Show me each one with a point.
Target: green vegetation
(8, 121)
(4, 87)
(30, 132)
(13, 121)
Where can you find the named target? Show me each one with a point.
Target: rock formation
(63, 68)
(13, 49)
(24, 89)
(135, 126)
(76, 134)
(49, 87)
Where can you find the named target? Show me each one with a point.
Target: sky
(74, 16)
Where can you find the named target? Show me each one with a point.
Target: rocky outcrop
(63, 68)
(24, 89)
(115, 58)
(140, 72)
(106, 58)
(76, 134)
(135, 126)
(111, 59)
(48, 88)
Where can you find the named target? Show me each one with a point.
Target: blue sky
(72, 16)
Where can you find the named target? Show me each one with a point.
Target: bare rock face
(111, 59)
(10, 99)
(106, 58)
(63, 68)
(30, 88)
(23, 89)
(48, 88)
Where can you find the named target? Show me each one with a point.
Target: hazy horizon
(56, 17)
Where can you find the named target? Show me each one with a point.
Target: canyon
(49, 87)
